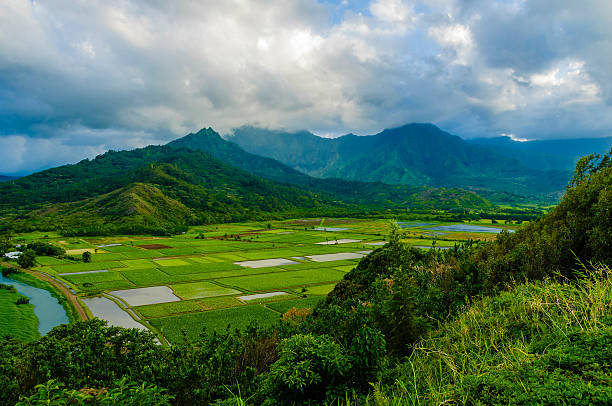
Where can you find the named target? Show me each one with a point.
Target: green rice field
(203, 268)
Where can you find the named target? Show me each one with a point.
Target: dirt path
(65, 291)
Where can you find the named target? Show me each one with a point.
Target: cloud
(78, 77)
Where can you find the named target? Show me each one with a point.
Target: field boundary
(58, 287)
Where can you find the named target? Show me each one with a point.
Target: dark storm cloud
(80, 77)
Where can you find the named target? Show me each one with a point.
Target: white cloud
(155, 70)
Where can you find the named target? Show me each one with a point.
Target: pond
(411, 224)
(46, 308)
(106, 309)
(469, 228)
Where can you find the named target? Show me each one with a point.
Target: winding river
(46, 308)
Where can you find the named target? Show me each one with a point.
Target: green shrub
(576, 371)
(122, 393)
(27, 259)
(23, 300)
(310, 369)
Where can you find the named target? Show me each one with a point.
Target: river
(46, 308)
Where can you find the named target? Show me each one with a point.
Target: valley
(228, 275)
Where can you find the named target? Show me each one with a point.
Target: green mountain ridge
(4, 178)
(414, 154)
(373, 193)
(164, 189)
(559, 154)
(152, 189)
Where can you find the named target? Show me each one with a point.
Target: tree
(87, 256)
(27, 259)
(310, 369)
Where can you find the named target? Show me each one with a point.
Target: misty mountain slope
(350, 191)
(163, 198)
(4, 178)
(150, 189)
(113, 170)
(559, 154)
(163, 189)
(415, 154)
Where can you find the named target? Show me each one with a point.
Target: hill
(4, 178)
(149, 189)
(369, 194)
(414, 154)
(470, 325)
(559, 154)
(162, 189)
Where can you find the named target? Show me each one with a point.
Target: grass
(148, 277)
(51, 261)
(102, 286)
(18, 321)
(168, 309)
(320, 289)
(215, 320)
(139, 264)
(287, 279)
(79, 279)
(219, 302)
(170, 262)
(111, 256)
(199, 290)
(284, 306)
(500, 336)
(87, 266)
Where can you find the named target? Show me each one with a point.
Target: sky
(79, 77)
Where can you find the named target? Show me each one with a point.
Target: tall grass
(497, 333)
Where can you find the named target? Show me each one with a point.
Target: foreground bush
(122, 393)
(544, 342)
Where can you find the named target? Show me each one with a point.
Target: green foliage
(310, 369)
(576, 371)
(414, 154)
(578, 229)
(27, 259)
(46, 249)
(121, 393)
(8, 271)
(86, 256)
(22, 300)
(533, 344)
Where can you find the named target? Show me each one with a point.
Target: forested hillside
(561, 154)
(503, 322)
(369, 194)
(163, 189)
(153, 189)
(414, 154)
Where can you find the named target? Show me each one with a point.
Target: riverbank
(18, 321)
(73, 308)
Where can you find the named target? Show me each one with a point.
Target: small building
(13, 254)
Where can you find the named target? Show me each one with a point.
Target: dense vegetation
(368, 194)
(17, 315)
(414, 154)
(164, 189)
(560, 154)
(507, 322)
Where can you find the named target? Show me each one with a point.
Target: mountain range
(259, 174)
(422, 154)
(4, 178)
(197, 179)
(546, 154)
